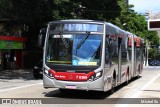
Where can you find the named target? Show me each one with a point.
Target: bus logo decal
(74, 62)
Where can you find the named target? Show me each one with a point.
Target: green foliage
(31, 15)
(153, 53)
(62, 9)
(135, 23)
(100, 9)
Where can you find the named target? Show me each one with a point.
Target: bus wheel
(113, 85)
(138, 76)
(127, 78)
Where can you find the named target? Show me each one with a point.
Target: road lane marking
(20, 87)
(139, 92)
(144, 87)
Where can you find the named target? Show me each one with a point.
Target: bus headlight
(96, 76)
(48, 73)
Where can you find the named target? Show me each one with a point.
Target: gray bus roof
(78, 20)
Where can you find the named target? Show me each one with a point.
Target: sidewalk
(17, 74)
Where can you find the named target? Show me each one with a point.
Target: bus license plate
(71, 86)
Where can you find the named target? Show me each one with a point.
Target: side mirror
(41, 37)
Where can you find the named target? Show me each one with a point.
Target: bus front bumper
(96, 85)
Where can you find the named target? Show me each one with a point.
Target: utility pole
(147, 52)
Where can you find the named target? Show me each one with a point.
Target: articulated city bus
(138, 54)
(89, 55)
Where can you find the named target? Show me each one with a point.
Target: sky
(143, 6)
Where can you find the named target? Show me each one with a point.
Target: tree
(135, 23)
(65, 9)
(27, 17)
(99, 9)
(153, 53)
(31, 15)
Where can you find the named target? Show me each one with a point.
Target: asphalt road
(23, 85)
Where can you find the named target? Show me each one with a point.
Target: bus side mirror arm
(41, 37)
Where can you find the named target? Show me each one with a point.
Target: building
(11, 48)
(12, 44)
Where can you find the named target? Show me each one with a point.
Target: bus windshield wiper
(83, 40)
(64, 41)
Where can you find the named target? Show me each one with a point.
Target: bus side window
(107, 51)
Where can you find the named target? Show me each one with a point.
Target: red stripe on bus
(70, 76)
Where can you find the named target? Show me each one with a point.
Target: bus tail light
(96, 76)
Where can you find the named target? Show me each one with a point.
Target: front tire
(113, 86)
(139, 71)
(127, 78)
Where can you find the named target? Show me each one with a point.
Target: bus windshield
(74, 49)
